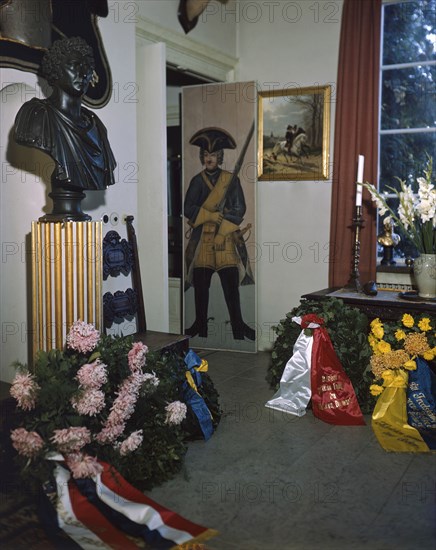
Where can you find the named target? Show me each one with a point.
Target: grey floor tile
(267, 480)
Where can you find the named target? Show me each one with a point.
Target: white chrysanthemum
(151, 380)
(176, 412)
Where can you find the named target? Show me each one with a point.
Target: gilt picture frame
(294, 134)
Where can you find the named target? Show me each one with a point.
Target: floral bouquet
(416, 214)
(102, 398)
(403, 363)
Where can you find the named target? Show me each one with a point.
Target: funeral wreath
(396, 348)
(348, 330)
(105, 398)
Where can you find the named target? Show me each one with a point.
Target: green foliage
(348, 330)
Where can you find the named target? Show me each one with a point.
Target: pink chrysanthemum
(176, 412)
(131, 443)
(24, 389)
(83, 466)
(137, 356)
(26, 443)
(71, 440)
(92, 375)
(89, 403)
(82, 337)
(110, 433)
(122, 408)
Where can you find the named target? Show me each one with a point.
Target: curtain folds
(356, 132)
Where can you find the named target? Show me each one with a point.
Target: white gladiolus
(406, 210)
(426, 205)
(381, 206)
(416, 213)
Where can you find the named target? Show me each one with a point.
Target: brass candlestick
(354, 281)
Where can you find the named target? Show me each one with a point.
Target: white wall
(290, 45)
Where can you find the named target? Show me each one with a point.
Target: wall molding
(187, 54)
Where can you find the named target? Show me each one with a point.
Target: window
(408, 97)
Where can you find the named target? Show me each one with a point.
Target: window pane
(409, 98)
(409, 32)
(405, 156)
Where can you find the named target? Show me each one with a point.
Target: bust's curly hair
(52, 61)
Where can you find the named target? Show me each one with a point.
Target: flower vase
(425, 275)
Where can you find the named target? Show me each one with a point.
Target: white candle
(359, 180)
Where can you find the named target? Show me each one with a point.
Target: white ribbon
(295, 391)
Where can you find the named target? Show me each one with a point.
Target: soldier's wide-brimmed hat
(213, 139)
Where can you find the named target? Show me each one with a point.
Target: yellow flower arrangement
(396, 349)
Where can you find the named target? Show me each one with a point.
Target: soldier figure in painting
(215, 207)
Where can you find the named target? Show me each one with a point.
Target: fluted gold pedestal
(67, 279)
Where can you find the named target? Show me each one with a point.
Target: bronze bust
(73, 136)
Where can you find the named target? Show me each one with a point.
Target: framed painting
(294, 134)
(219, 175)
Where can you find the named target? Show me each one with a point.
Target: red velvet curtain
(356, 133)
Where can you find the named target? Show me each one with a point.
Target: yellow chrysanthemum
(397, 358)
(383, 347)
(378, 332)
(416, 343)
(429, 355)
(424, 324)
(375, 322)
(407, 320)
(377, 328)
(372, 340)
(377, 365)
(400, 334)
(410, 365)
(375, 389)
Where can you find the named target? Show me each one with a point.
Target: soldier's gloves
(216, 217)
(207, 216)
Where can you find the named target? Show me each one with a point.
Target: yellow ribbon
(203, 367)
(389, 418)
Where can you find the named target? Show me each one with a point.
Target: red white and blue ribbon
(107, 512)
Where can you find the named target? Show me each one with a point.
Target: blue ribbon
(421, 402)
(193, 399)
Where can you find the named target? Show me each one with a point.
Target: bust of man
(70, 134)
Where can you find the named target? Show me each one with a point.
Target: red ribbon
(333, 397)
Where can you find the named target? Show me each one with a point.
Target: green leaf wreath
(105, 398)
(348, 331)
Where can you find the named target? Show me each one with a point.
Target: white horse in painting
(298, 149)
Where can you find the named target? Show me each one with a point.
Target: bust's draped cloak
(83, 156)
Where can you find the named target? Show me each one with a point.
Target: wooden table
(386, 305)
(163, 341)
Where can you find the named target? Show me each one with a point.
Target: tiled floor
(267, 480)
